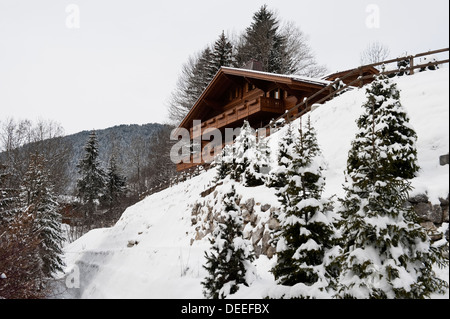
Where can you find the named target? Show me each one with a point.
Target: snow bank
(426, 98)
(148, 253)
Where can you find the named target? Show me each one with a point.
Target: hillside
(121, 140)
(156, 249)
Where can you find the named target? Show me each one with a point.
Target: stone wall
(431, 216)
(260, 221)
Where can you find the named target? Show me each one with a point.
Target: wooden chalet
(235, 95)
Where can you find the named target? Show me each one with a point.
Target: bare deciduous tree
(374, 53)
(299, 51)
(20, 139)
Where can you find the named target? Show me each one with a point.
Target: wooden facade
(235, 95)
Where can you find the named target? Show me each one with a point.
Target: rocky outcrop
(259, 221)
(431, 216)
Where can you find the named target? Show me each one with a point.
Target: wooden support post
(411, 65)
(361, 83)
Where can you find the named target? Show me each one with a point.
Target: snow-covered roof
(293, 81)
(294, 77)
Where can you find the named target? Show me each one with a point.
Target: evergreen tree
(224, 163)
(250, 159)
(115, 184)
(263, 42)
(20, 263)
(195, 76)
(231, 255)
(222, 54)
(38, 199)
(201, 74)
(259, 167)
(91, 184)
(386, 253)
(9, 197)
(306, 231)
(243, 151)
(387, 121)
(278, 176)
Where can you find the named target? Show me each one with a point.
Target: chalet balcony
(239, 112)
(269, 104)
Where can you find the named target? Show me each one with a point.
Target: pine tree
(91, 184)
(306, 231)
(386, 253)
(222, 54)
(278, 176)
(20, 263)
(38, 199)
(115, 184)
(231, 255)
(250, 160)
(263, 42)
(201, 74)
(224, 163)
(256, 173)
(387, 121)
(195, 76)
(9, 197)
(243, 147)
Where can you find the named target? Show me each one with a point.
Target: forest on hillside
(46, 180)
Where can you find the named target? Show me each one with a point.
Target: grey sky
(123, 61)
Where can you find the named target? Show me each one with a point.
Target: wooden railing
(239, 112)
(305, 106)
(271, 103)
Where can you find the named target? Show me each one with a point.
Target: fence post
(361, 83)
(411, 65)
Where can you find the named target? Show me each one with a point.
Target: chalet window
(277, 94)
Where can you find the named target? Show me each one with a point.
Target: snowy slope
(148, 253)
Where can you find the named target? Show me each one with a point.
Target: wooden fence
(305, 106)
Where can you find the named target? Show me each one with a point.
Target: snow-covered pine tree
(242, 148)
(38, 199)
(306, 231)
(384, 115)
(259, 166)
(386, 253)
(224, 163)
(91, 183)
(250, 157)
(278, 175)
(231, 255)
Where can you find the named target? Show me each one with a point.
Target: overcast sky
(92, 64)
